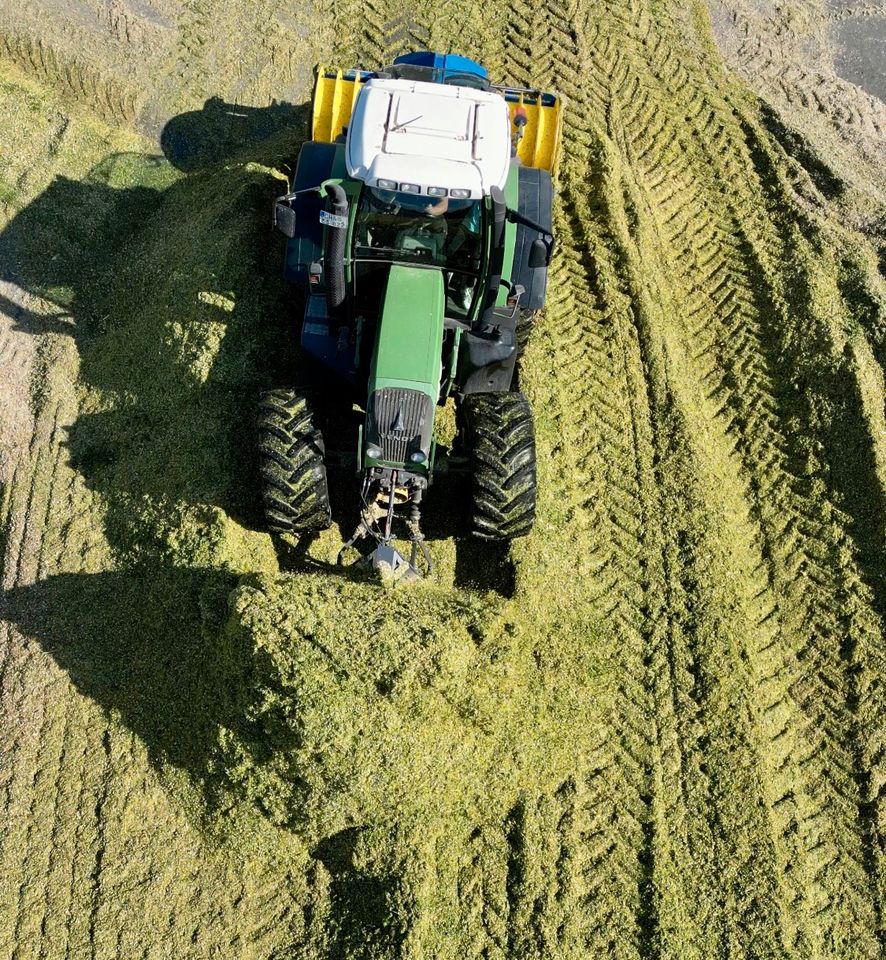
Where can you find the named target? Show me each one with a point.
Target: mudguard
(536, 200)
(316, 162)
(487, 357)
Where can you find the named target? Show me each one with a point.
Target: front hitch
(377, 517)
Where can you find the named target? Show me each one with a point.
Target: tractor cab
(428, 154)
(429, 232)
(429, 137)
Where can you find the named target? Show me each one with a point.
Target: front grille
(400, 422)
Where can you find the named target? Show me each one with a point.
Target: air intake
(399, 422)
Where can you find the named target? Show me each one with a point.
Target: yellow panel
(549, 141)
(334, 99)
(539, 157)
(335, 113)
(540, 143)
(322, 110)
(526, 149)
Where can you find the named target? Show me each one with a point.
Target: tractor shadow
(170, 287)
(479, 564)
(360, 898)
(148, 646)
(163, 273)
(202, 138)
(485, 566)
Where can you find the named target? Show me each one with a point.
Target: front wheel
(290, 449)
(499, 437)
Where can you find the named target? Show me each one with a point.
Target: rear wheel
(499, 436)
(290, 448)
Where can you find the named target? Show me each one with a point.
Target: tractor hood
(404, 381)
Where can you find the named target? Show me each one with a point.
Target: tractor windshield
(436, 231)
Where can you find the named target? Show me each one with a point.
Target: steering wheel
(426, 225)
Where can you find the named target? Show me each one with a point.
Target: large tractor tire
(290, 448)
(499, 439)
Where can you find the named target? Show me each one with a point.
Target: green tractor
(419, 227)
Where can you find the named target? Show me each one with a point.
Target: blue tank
(446, 66)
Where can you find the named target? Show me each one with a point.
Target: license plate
(333, 220)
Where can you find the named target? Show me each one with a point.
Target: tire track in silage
(376, 31)
(712, 852)
(65, 735)
(668, 836)
(608, 426)
(633, 97)
(675, 899)
(727, 842)
(717, 284)
(837, 615)
(686, 868)
(45, 765)
(728, 290)
(600, 468)
(112, 98)
(847, 454)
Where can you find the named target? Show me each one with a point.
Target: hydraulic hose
(334, 255)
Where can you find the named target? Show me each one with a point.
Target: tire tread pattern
(290, 447)
(500, 440)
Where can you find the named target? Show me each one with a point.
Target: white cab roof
(430, 134)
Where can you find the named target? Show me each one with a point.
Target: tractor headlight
(437, 191)
(418, 457)
(459, 194)
(387, 184)
(410, 188)
(373, 451)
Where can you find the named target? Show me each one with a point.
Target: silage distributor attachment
(536, 115)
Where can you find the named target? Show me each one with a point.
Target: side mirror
(284, 218)
(539, 254)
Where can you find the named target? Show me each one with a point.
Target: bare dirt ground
(655, 728)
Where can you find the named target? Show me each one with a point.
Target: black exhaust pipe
(334, 255)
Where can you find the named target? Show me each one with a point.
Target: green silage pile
(653, 729)
(367, 705)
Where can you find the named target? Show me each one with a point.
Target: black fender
(487, 356)
(536, 202)
(315, 164)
